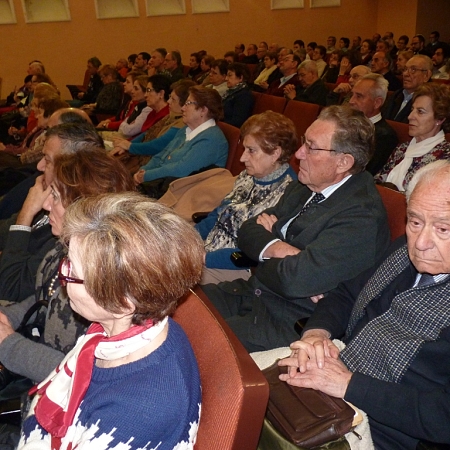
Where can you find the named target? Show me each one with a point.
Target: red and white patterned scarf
(60, 394)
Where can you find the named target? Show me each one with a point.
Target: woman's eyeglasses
(64, 271)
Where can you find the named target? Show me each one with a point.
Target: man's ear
(345, 163)
(378, 103)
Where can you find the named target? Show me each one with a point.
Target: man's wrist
(319, 332)
(24, 219)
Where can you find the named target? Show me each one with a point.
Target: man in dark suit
(325, 229)
(252, 57)
(312, 89)
(382, 63)
(418, 45)
(368, 96)
(288, 65)
(417, 71)
(395, 321)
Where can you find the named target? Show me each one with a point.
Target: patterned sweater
(62, 326)
(249, 197)
(441, 151)
(152, 403)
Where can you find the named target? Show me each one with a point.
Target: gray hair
(76, 136)
(354, 134)
(309, 66)
(426, 60)
(380, 87)
(427, 174)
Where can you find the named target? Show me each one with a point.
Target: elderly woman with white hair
(132, 381)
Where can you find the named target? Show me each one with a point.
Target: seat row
(301, 113)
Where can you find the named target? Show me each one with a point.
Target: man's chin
(429, 267)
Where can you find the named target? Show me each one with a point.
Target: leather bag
(306, 417)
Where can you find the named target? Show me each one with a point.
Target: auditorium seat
(401, 129)
(302, 114)
(265, 102)
(395, 204)
(233, 136)
(234, 391)
(252, 69)
(441, 81)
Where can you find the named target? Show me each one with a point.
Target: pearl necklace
(50, 290)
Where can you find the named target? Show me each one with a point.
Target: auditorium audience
(368, 96)
(194, 64)
(381, 63)
(128, 103)
(141, 62)
(416, 72)
(218, 76)
(174, 66)
(205, 66)
(95, 83)
(270, 65)
(402, 43)
(133, 352)
(418, 45)
(139, 111)
(269, 141)
(110, 96)
(85, 173)
(319, 53)
(367, 51)
(429, 115)
(312, 89)
(342, 93)
(157, 62)
(238, 100)
(199, 144)
(440, 58)
(158, 136)
(156, 96)
(288, 65)
(403, 57)
(301, 250)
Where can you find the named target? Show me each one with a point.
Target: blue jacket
(181, 157)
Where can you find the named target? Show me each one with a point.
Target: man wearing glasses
(417, 71)
(325, 229)
(288, 68)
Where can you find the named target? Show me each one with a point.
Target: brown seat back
(302, 114)
(395, 204)
(234, 391)
(401, 130)
(235, 149)
(265, 102)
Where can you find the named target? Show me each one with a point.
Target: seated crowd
(300, 234)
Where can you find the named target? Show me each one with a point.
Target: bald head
(56, 119)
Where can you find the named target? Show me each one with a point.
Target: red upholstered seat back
(302, 114)
(235, 393)
(235, 148)
(265, 102)
(395, 204)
